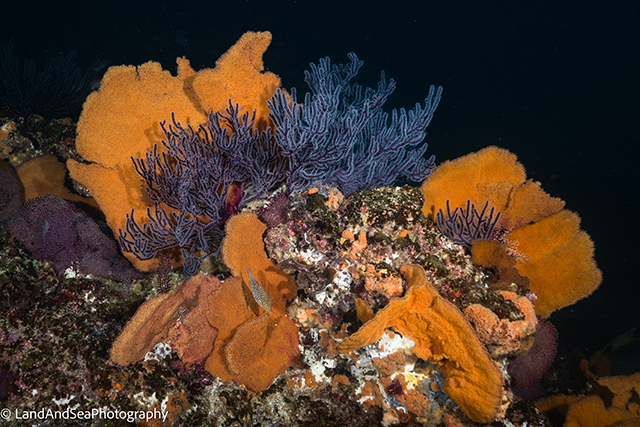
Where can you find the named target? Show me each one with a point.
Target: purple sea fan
(340, 135)
(204, 176)
(463, 226)
(60, 89)
(56, 230)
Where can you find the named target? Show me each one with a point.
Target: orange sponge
(458, 180)
(253, 347)
(591, 412)
(442, 335)
(45, 175)
(491, 175)
(243, 249)
(157, 319)
(528, 203)
(121, 120)
(557, 257)
(544, 241)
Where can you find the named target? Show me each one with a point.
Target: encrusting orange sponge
(503, 336)
(442, 335)
(121, 120)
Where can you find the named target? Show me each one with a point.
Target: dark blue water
(554, 82)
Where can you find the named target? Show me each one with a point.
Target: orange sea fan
(544, 242)
(557, 259)
(491, 175)
(240, 73)
(590, 411)
(121, 120)
(458, 180)
(253, 347)
(528, 203)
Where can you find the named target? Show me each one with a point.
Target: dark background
(554, 82)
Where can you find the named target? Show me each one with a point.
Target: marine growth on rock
(297, 285)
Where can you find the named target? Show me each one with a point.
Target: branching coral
(197, 178)
(340, 136)
(203, 173)
(121, 121)
(416, 350)
(463, 226)
(60, 88)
